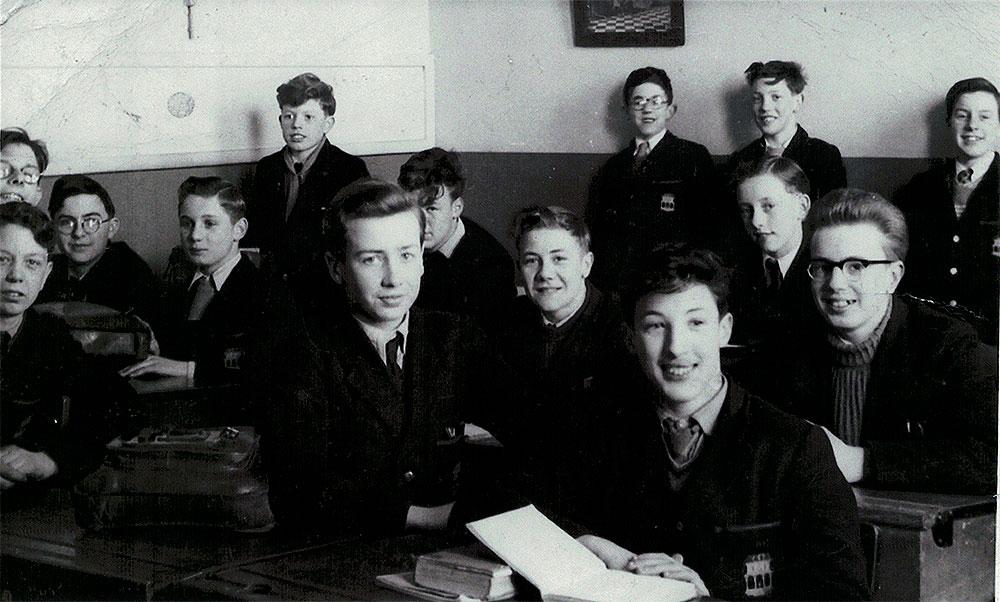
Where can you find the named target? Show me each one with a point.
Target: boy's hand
(18, 465)
(850, 458)
(670, 567)
(614, 556)
(156, 364)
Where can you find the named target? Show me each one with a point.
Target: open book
(562, 568)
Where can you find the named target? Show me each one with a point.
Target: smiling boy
(952, 210)
(660, 188)
(92, 267)
(713, 482)
(23, 160)
(776, 90)
(294, 186)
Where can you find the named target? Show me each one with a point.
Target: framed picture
(628, 22)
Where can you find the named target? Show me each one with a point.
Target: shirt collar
(784, 145)
(979, 166)
(449, 246)
(785, 262)
(652, 141)
(379, 337)
(220, 275)
(708, 414)
(307, 164)
(579, 305)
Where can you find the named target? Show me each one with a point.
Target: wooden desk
(181, 402)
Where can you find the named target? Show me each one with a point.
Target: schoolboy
(874, 367)
(56, 407)
(776, 98)
(564, 340)
(661, 188)
(728, 484)
(294, 186)
(208, 319)
(952, 210)
(23, 160)
(93, 267)
(771, 286)
(362, 411)
(466, 270)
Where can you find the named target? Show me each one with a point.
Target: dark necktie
(964, 177)
(204, 290)
(392, 348)
(5, 339)
(641, 152)
(683, 439)
(774, 278)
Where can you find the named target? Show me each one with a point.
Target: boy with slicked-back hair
(776, 97)
(294, 186)
(660, 188)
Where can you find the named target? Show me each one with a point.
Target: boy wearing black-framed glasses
(660, 188)
(906, 393)
(92, 266)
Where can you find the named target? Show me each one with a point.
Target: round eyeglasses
(29, 175)
(852, 267)
(91, 224)
(639, 103)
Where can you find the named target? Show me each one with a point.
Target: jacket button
(955, 238)
(408, 476)
(680, 526)
(953, 271)
(953, 303)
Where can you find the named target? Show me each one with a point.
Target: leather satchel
(209, 477)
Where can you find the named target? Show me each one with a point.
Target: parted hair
(966, 86)
(429, 170)
(846, 206)
(551, 217)
(20, 136)
(305, 87)
(68, 186)
(673, 267)
(229, 195)
(775, 71)
(783, 168)
(647, 74)
(364, 198)
(32, 218)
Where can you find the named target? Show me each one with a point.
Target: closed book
(470, 570)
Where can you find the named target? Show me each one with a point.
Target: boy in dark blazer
(207, 319)
(293, 187)
(362, 411)
(746, 498)
(660, 188)
(953, 213)
(776, 88)
(466, 270)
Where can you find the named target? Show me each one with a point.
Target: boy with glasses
(22, 161)
(905, 393)
(661, 188)
(91, 267)
(953, 213)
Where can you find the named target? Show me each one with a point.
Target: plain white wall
(510, 80)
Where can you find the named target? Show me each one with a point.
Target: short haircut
(775, 71)
(430, 169)
(847, 206)
(674, 267)
(305, 87)
(20, 136)
(229, 195)
(32, 218)
(551, 217)
(647, 74)
(973, 84)
(783, 168)
(68, 186)
(364, 198)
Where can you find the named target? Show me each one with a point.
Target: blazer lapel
(366, 376)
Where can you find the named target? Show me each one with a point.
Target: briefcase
(209, 477)
(929, 546)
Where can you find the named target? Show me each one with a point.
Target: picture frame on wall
(611, 23)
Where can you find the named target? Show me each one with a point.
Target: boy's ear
(328, 123)
(240, 229)
(113, 226)
(725, 329)
(671, 111)
(457, 206)
(333, 267)
(804, 205)
(799, 99)
(588, 264)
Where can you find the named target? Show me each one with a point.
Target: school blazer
(347, 451)
(758, 318)
(820, 160)
(930, 412)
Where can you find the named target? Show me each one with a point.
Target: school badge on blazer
(996, 247)
(748, 566)
(668, 202)
(758, 575)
